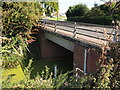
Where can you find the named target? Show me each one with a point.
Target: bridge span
(85, 41)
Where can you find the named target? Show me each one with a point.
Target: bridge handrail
(73, 27)
(81, 23)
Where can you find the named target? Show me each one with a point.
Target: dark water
(64, 64)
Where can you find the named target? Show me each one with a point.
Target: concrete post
(55, 26)
(74, 32)
(55, 71)
(118, 33)
(44, 22)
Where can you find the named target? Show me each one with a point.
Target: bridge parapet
(91, 33)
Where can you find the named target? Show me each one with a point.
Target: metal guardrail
(102, 32)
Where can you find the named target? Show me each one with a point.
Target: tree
(77, 10)
(19, 17)
(107, 7)
(69, 12)
(96, 11)
(116, 5)
(50, 7)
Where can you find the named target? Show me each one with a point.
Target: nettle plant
(13, 51)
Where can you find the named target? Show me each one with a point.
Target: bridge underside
(51, 50)
(53, 46)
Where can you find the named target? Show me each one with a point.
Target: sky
(65, 4)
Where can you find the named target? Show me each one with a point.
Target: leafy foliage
(96, 11)
(13, 51)
(97, 15)
(19, 17)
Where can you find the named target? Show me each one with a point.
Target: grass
(58, 18)
(15, 73)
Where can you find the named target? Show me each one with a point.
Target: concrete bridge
(83, 41)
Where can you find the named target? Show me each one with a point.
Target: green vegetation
(19, 17)
(58, 18)
(103, 14)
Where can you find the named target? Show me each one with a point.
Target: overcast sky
(64, 4)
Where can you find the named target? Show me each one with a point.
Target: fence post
(74, 32)
(115, 35)
(105, 33)
(55, 26)
(118, 34)
(44, 22)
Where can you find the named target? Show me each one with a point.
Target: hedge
(103, 20)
